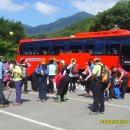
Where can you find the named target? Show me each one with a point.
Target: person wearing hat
(73, 75)
(42, 72)
(65, 81)
(88, 74)
(24, 66)
(98, 92)
(63, 68)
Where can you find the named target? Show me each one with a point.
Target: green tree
(118, 15)
(8, 43)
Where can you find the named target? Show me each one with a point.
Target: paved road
(71, 115)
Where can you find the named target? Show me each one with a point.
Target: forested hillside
(57, 25)
(9, 41)
(117, 15)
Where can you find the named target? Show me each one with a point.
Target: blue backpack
(117, 92)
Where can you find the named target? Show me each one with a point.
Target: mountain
(118, 15)
(57, 25)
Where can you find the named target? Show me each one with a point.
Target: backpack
(105, 74)
(24, 71)
(117, 92)
(75, 69)
(41, 71)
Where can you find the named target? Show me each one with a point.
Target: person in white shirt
(73, 67)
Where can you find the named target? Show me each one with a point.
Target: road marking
(76, 99)
(82, 100)
(31, 120)
(110, 104)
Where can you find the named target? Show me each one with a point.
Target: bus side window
(44, 47)
(75, 46)
(24, 49)
(58, 46)
(90, 48)
(99, 46)
(113, 49)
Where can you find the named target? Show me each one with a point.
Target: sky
(37, 12)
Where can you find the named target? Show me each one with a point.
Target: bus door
(125, 57)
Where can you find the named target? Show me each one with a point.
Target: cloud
(93, 6)
(9, 5)
(45, 8)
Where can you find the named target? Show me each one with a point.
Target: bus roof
(110, 33)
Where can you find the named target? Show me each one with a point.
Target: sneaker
(6, 105)
(57, 100)
(16, 104)
(102, 112)
(66, 98)
(43, 100)
(93, 113)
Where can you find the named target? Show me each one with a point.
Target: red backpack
(75, 69)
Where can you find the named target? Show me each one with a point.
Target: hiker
(42, 71)
(88, 74)
(123, 78)
(18, 82)
(73, 67)
(91, 64)
(52, 73)
(63, 68)
(24, 66)
(34, 83)
(2, 70)
(97, 90)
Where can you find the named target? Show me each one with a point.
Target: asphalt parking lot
(70, 115)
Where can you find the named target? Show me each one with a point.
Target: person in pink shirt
(88, 74)
(123, 79)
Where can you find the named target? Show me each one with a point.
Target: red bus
(112, 47)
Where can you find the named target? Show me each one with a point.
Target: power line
(27, 6)
(52, 17)
(61, 8)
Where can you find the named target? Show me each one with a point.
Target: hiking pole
(9, 94)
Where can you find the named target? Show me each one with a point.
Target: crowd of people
(57, 77)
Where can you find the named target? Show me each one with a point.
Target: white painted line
(109, 104)
(122, 106)
(31, 120)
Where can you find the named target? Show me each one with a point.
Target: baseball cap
(43, 61)
(96, 59)
(62, 61)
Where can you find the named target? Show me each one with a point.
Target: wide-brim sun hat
(52, 58)
(63, 62)
(73, 60)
